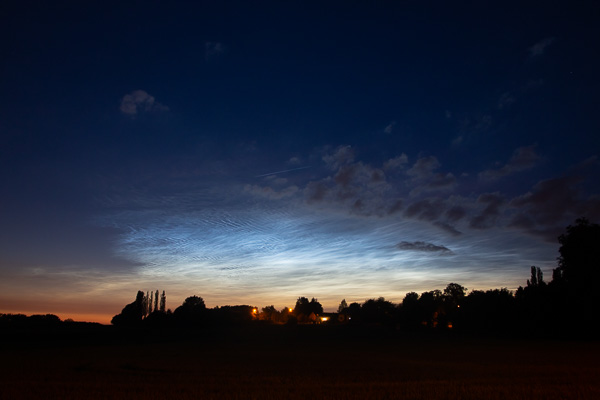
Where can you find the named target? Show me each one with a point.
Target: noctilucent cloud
(254, 153)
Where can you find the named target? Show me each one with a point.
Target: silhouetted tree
(409, 317)
(451, 315)
(316, 307)
(537, 277)
(132, 313)
(574, 281)
(163, 302)
(430, 306)
(354, 312)
(285, 314)
(302, 308)
(144, 305)
(579, 260)
(534, 303)
(455, 293)
(343, 306)
(156, 301)
(378, 311)
(410, 298)
(232, 315)
(307, 311)
(33, 321)
(270, 314)
(191, 312)
(489, 311)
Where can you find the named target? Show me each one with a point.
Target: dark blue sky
(254, 152)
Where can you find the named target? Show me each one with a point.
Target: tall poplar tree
(163, 302)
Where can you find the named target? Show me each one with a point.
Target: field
(277, 362)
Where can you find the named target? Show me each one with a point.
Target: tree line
(565, 304)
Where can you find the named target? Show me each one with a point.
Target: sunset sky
(255, 152)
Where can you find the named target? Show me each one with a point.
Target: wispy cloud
(423, 246)
(342, 155)
(139, 101)
(270, 193)
(426, 209)
(213, 49)
(472, 127)
(552, 203)
(540, 47)
(390, 127)
(426, 179)
(505, 100)
(487, 217)
(424, 167)
(396, 162)
(523, 158)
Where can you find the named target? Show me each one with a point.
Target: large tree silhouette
(307, 311)
(132, 313)
(579, 260)
(575, 280)
(191, 312)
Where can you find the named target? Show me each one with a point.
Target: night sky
(255, 152)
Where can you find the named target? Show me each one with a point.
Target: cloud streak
(139, 101)
(423, 246)
(523, 158)
(213, 49)
(540, 47)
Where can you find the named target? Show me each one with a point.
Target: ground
(278, 362)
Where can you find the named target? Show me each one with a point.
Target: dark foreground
(279, 362)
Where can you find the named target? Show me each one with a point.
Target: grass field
(301, 363)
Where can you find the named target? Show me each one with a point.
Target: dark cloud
(426, 180)
(550, 200)
(442, 181)
(395, 207)
(377, 176)
(358, 187)
(270, 193)
(472, 127)
(552, 204)
(140, 101)
(487, 217)
(455, 213)
(423, 246)
(343, 155)
(213, 49)
(358, 206)
(315, 191)
(523, 158)
(345, 175)
(389, 128)
(448, 228)
(540, 47)
(424, 167)
(396, 163)
(294, 161)
(505, 100)
(426, 209)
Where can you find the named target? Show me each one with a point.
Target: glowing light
(324, 319)
(290, 310)
(254, 311)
